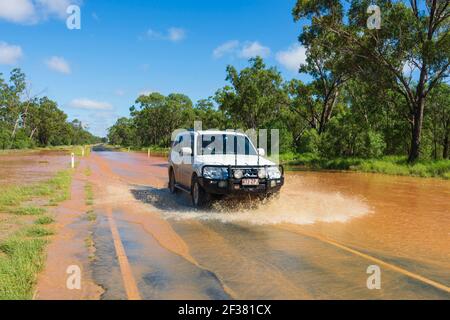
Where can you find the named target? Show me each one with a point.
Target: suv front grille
(249, 172)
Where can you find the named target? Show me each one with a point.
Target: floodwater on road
(21, 167)
(315, 242)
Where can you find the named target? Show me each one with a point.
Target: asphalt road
(318, 241)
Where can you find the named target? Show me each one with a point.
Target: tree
(409, 36)
(156, 116)
(122, 133)
(51, 122)
(206, 112)
(323, 62)
(437, 119)
(255, 97)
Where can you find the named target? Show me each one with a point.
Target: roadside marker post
(148, 153)
(72, 156)
(82, 151)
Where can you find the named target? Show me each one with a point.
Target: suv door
(176, 159)
(187, 160)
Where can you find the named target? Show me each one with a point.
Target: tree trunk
(32, 133)
(327, 110)
(446, 145)
(414, 152)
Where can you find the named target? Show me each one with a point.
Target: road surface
(316, 242)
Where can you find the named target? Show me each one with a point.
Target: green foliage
(392, 165)
(255, 97)
(22, 255)
(347, 137)
(38, 231)
(91, 216)
(413, 34)
(22, 259)
(57, 188)
(309, 142)
(45, 220)
(89, 194)
(28, 211)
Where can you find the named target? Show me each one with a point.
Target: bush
(309, 142)
(345, 137)
(371, 145)
(21, 141)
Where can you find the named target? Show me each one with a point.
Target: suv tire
(199, 197)
(172, 182)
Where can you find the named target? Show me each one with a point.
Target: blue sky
(125, 48)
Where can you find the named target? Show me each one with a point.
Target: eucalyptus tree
(409, 50)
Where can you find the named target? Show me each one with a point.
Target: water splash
(304, 208)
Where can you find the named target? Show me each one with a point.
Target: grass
(20, 263)
(90, 245)
(38, 231)
(391, 165)
(88, 171)
(91, 216)
(22, 253)
(45, 220)
(78, 150)
(28, 211)
(57, 188)
(89, 194)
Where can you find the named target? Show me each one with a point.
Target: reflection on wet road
(315, 242)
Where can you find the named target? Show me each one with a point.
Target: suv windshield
(224, 144)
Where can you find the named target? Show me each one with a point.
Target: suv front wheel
(172, 182)
(198, 195)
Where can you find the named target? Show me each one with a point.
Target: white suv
(215, 163)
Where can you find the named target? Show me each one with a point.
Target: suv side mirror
(261, 152)
(186, 151)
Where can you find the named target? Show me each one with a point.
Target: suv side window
(177, 144)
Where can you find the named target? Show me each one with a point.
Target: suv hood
(231, 160)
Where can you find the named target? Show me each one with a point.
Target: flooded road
(21, 167)
(315, 242)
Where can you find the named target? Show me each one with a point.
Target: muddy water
(316, 241)
(22, 168)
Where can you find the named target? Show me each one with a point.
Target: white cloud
(246, 50)
(226, 48)
(9, 54)
(88, 104)
(146, 92)
(20, 11)
(253, 49)
(176, 34)
(173, 34)
(33, 11)
(54, 7)
(58, 64)
(292, 58)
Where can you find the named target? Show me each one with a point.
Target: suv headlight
(273, 173)
(262, 173)
(215, 173)
(238, 173)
